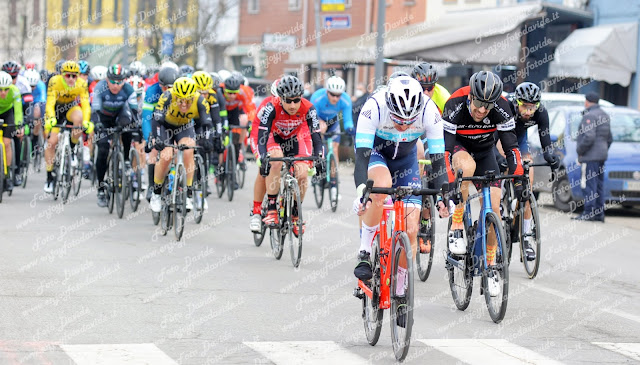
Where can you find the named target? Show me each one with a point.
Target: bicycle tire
(66, 174)
(37, 152)
(2, 175)
(77, 170)
(372, 314)
(56, 172)
(276, 242)
(199, 188)
(401, 336)
(180, 205)
(165, 213)
(497, 305)
(25, 159)
(334, 166)
(240, 173)
(220, 181)
(295, 243)
(135, 193)
(230, 169)
(507, 216)
(318, 189)
(531, 267)
(94, 161)
(108, 183)
(120, 185)
(424, 261)
(461, 282)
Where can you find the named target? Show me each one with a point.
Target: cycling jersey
(13, 100)
(151, 97)
(539, 118)
(109, 104)
(328, 111)
(214, 109)
(169, 112)
(59, 93)
(255, 124)
(23, 85)
(440, 96)
(243, 104)
(39, 93)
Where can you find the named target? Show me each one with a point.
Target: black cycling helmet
(186, 70)
(528, 92)
(167, 76)
(116, 72)
(290, 87)
(485, 86)
(233, 83)
(425, 73)
(12, 68)
(44, 75)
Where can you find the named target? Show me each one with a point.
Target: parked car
(552, 100)
(622, 169)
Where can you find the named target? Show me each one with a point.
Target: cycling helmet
(485, 86)
(203, 80)
(186, 70)
(12, 68)
(335, 85)
(184, 87)
(84, 67)
(167, 76)
(44, 75)
(405, 99)
(224, 74)
(98, 73)
(30, 66)
(290, 87)
(239, 75)
(5, 80)
(171, 65)
(216, 79)
(232, 83)
(274, 88)
(116, 72)
(32, 76)
(137, 83)
(425, 73)
(138, 68)
(70, 66)
(59, 66)
(528, 92)
(396, 74)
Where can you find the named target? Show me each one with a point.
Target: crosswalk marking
(306, 352)
(496, 351)
(130, 354)
(631, 350)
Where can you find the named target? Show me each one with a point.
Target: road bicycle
(230, 171)
(391, 286)
(117, 179)
(427, 230)
(6, 172)
(322, 183)
(65, 164)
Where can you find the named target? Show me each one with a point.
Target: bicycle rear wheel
(295, 243)
(220, 180)
(25, 159)
(371, 312)
(277, 242)
(427, 232)
(508, 217)
(259, 237)
(230, 170)
(165, 213)
(240, 173)
(120, 184)
(108, 182)
(333, 167)
(77, 169)
(199, 188)
(94, 160)
(531, 267)
(38, 150)
(401, 320)
(65, 174)
(497, 304)
(180, 206)
(135, 180)
(318, 189)
(461, 275)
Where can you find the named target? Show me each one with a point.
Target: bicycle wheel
(120, 184)
(25, 159)
(333, 167)
(371, 312)
(180, 206)
(220, 180)
(230, 169)
(109, 182)
(77, 169)
(295, 243)
(166, 211)
(2, 176)
(94, 161)
(401, 320)
(531, 267)
(497, 304)
(277, 242)
(65, 173)
(507, 215)
(38, 151)
(56, 174)
(259, 237)
(427, 231)
(461, 277)
(240, 172)
(199, 188)
(135, 180)
(318, 189)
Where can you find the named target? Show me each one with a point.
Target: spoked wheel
(277, 242)
(199, 188)
(94, 160)
(495, 280)
(108, 182)
(259, 237)
(371, 312)
(401, 320)
(167, 210)
(230, 169)
(25, 159)
(37, 152)
(2, 176)
(295, 243)
(221, 180)
(334, 169)
(180, 212)
(135, 180)
(461, 277)
(120, 184)
(65, 174)
(77, 169)
(533, 237)
(240, 170)
(507, 217)
(318, 189)
(427, 233)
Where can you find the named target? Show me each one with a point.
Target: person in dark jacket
(593, 142)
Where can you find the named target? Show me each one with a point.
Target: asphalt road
(80, 286)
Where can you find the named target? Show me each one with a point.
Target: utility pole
(317, 8)
(379, 68)
(125, 32)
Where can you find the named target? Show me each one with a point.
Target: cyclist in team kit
(11, 114)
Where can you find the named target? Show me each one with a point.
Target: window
(348, 3)
(95, 11)
(295, 5)
(450, 2)
(253, 6)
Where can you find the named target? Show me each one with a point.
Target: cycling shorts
(404, 172)
(485, 161)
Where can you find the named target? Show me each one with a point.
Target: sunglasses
(402, 121)
(116, 82)
(482, 104)
(427, 87)
(14, 76)
(335, 95)
(231, 91)
(4, 89)
(184, 101)
(165, 87)
(70, 76)
(291, 101)
(532, 107)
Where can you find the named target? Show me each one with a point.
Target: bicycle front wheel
(240, 170)
(165, 213)
(230, 170)
(427, 233)
(277, 242)
(531, 267)
(77, 169)
(119, 184)
(199, 188)
(333, 167)
(495, 278)
(65, 173)
(318, 189)
(258, 237)
(460, 273)
(135, 180)
(295, 242)
(180, 207)
(38, 151)
(401, 320)
(25, 159)
(371, 312)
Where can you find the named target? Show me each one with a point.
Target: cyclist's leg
(273, 181)
(162, 166)
(462, 160)
(74, 115)
(259, 186)
(102, 142)
(187, 136)
(301, 146)
(523, 145)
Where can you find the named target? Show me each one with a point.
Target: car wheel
(561, 193)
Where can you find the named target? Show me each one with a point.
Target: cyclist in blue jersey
(39, 93)
(329, 102)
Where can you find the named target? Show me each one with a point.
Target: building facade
(23, 27)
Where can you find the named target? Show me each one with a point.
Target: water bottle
(172, 176)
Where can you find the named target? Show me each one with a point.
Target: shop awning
(604, 53)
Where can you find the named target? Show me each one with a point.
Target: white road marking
(631, 350)
(114, 354)
(306, 352)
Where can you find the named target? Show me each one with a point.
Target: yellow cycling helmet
(203, 80)
(184, 87)
(71, 67)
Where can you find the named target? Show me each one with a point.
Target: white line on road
(306, 352)
(631, 350)
(496, 351)
(105, 354)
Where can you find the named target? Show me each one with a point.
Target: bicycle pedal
(357, 292)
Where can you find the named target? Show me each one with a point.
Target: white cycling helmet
(138, 68)
(32, 76)
(5, 79)
(335, 85)
(224, 74)
(274, 88)
(98, 73)
(138, 84)
(405, 99)
(170, 64)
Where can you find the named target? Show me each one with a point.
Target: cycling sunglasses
(402, 121)
(532, 107)
(231, 91)
(184, 101)
(335, 95)
(291, 101)
(70, 76)
(116, 82)
(428, 87)
(480, 104)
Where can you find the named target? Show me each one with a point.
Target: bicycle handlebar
(400, 191)
(183, 147)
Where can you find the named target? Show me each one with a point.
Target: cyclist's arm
(161, 107)
(17, 107)
(368, 122)
(132, 101)
(509, 141)
(223, 107)
(314, 128)
(450, 130)
(50, 111)
(264, 129)
(204, 119)
(347, 107)
(435, 139)
(84, 104)
(543, 131)
(214, 111)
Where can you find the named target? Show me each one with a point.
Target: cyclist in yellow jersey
(67, 100)
(179, 114)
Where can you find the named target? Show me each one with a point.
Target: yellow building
(93, 30)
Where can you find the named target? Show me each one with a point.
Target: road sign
(336, 21)
(332, 5)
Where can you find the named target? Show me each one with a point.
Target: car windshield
(625, 126)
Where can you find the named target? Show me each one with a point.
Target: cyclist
(186, 70)
(138, 68)
(13, 69)
(239, 107)
(138, 85)
(472, 115)
(11, 113)
(525, 106)
(288, 127)
(39, 93)
(389, 127)
(85, 69)
(173, 119)
(166, 77)
(97, 74)
(67, 100)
